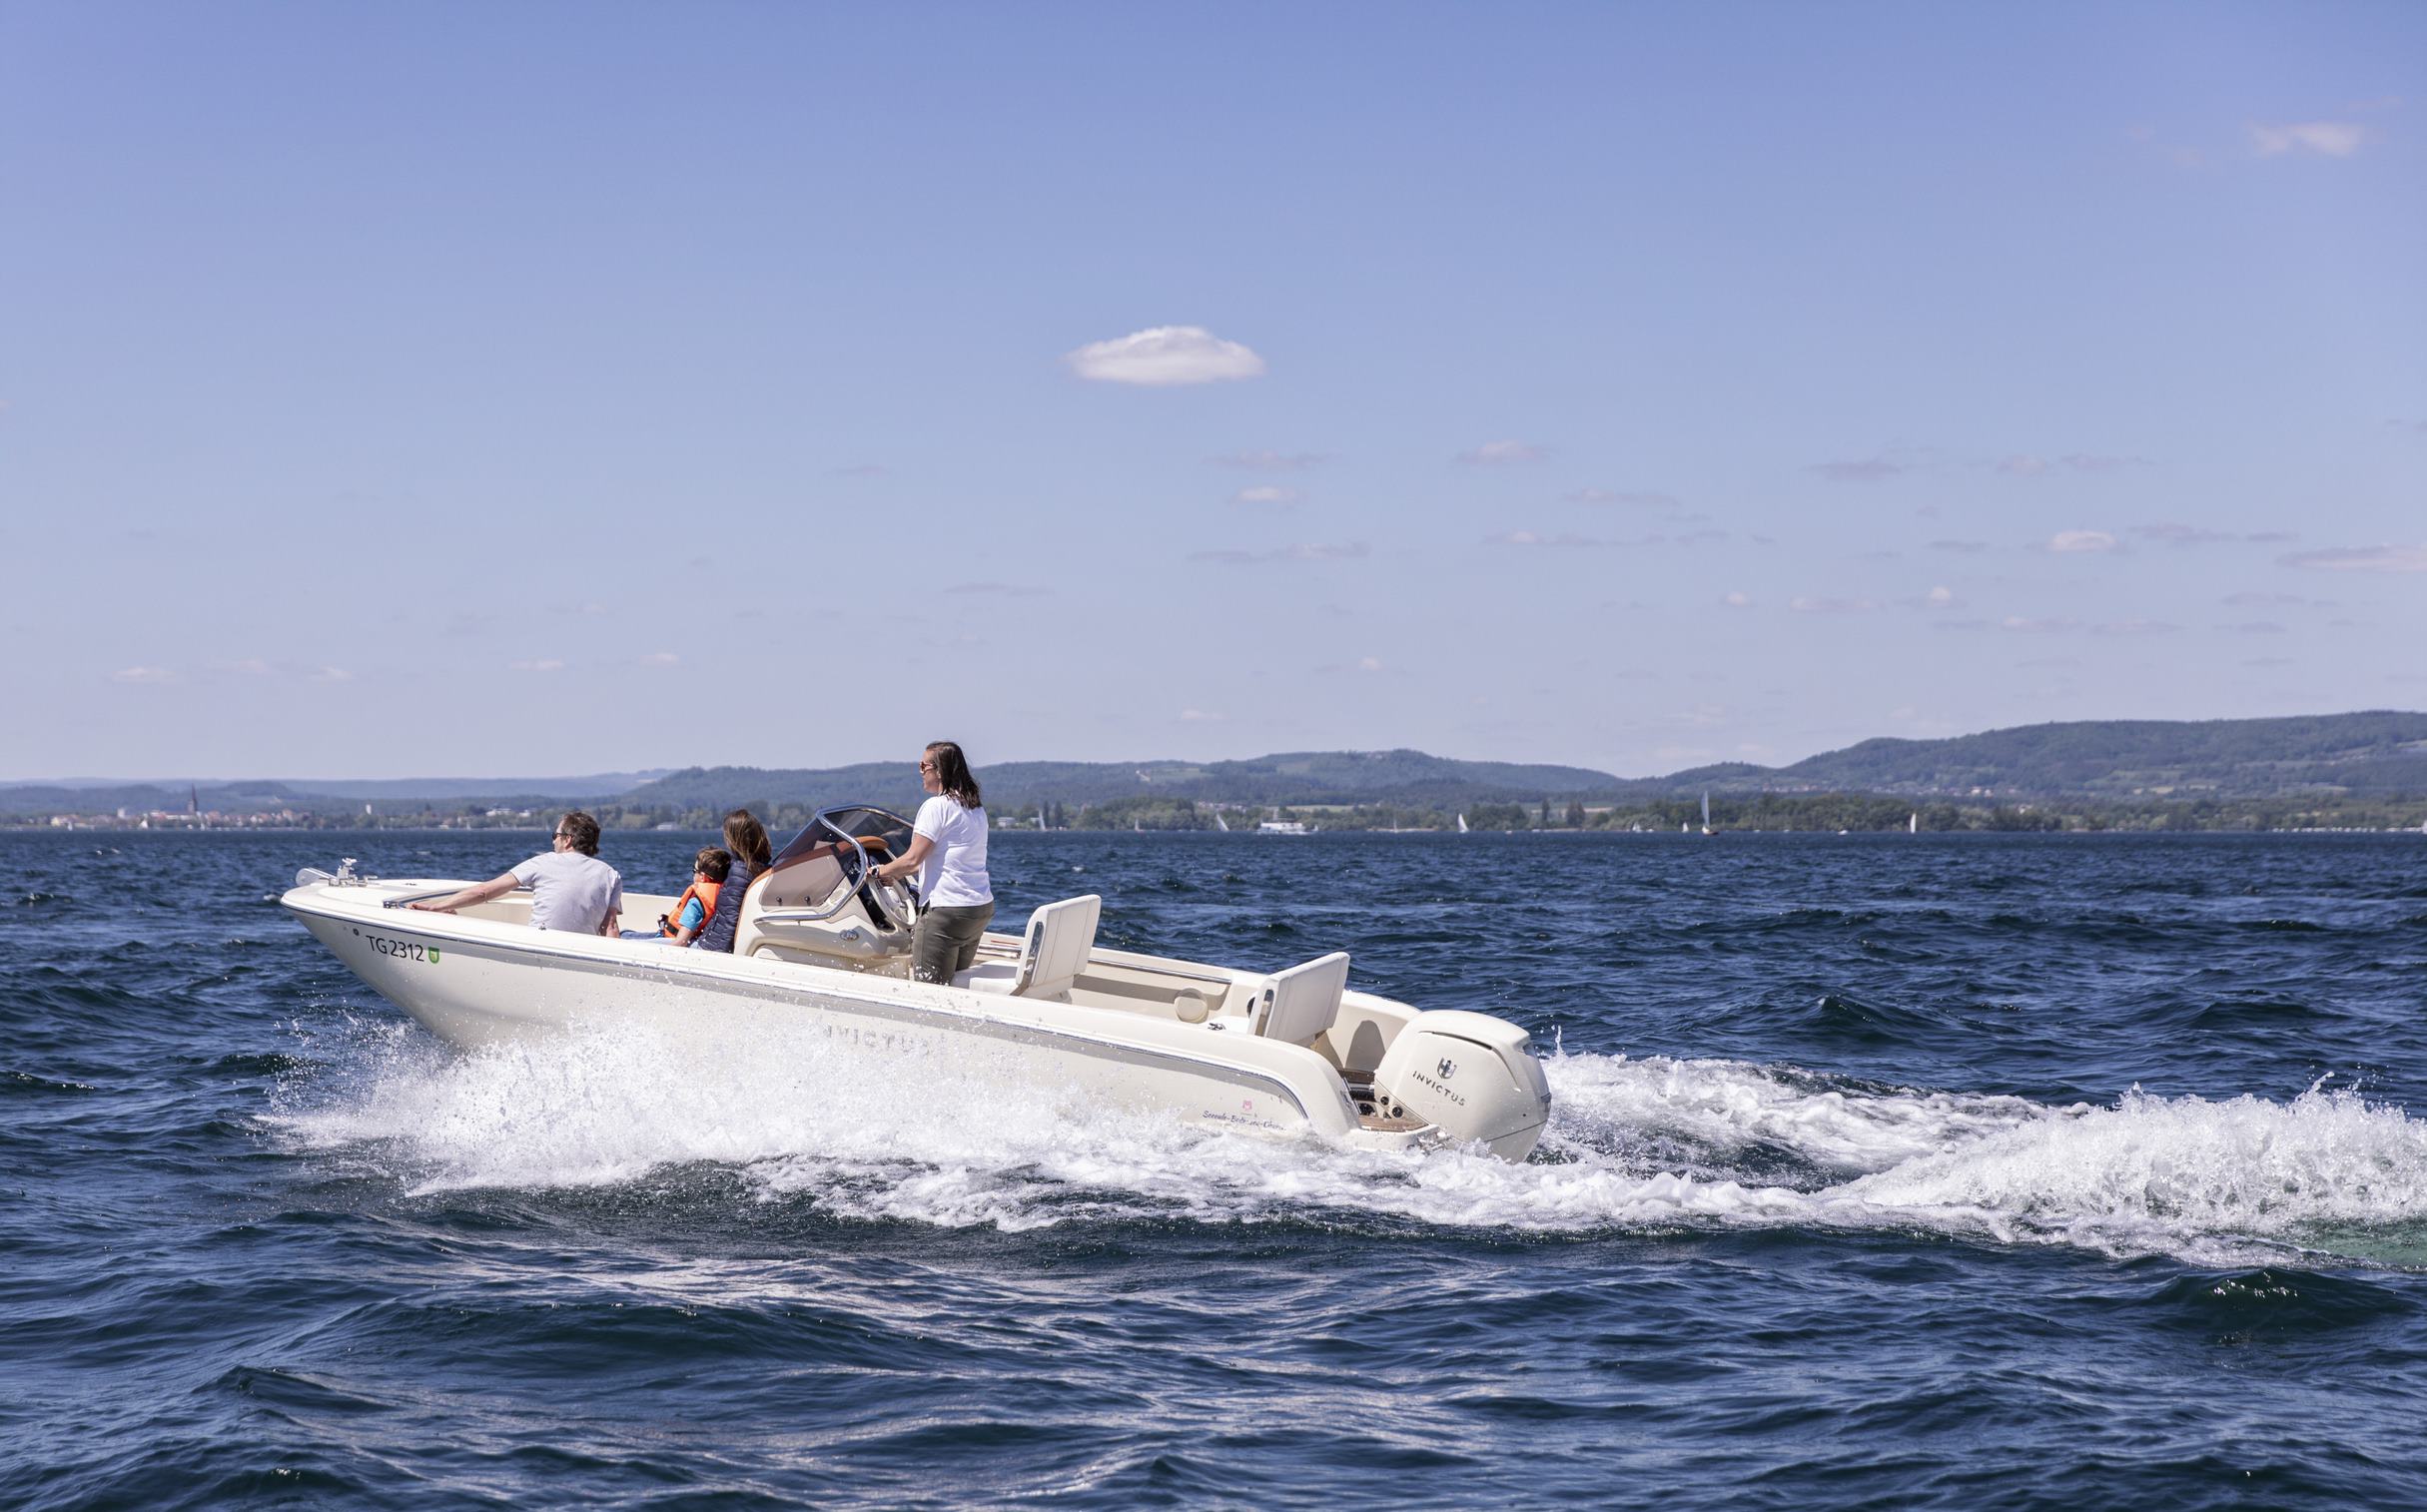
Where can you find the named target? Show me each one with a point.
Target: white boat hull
(476, 982)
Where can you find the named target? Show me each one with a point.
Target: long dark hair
(746, 838)
(953, 774)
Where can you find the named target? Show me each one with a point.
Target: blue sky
(459, 389)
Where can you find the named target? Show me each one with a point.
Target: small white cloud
(1164, 356)
(2021, 466)
(2328, 139)
(2025, 626)
(661, 659)
(1501, 455)
(1269, 493)
(1273, 462)
(143, 675)
(537, 664)
(329, 674)
(252, 667)
(1738, 600)
(2134, 627)
(2081, 540)
(1198, 716)
(1369, 663)
(2362, 560)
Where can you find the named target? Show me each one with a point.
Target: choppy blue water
(1937, 1172)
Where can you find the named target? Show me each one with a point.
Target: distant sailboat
(1706, 813)
(1913, 823)
(1220, 825)
(1462, 824)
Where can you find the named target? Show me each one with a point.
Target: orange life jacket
(705, 892)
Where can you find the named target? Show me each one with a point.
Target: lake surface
(1936, 1171)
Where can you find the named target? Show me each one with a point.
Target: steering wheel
(892, 901)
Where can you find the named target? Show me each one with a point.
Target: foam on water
(1634, 1144)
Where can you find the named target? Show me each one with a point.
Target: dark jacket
(717, 933)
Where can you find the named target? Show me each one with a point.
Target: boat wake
(1644, 1145)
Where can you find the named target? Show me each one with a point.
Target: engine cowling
(1471, 1075)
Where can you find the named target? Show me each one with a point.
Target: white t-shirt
(570, 891)
(954, 873)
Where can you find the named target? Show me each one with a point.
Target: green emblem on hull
(434, 953)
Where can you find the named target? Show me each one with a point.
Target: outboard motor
(1468, 1074)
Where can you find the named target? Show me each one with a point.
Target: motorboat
(822, 944)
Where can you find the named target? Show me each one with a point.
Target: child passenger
(698, 901)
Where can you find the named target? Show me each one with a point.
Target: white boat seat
(1300, 1002)
(1061, 936)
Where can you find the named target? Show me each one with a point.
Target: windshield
(882, 834)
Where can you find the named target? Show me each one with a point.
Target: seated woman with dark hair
(746, 838)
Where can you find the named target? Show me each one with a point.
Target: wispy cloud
(1619, 496)
(1303, 552)
(1738, 600)
(2134, 627)
(2023, 625)
(1937, 600)
(1803, 604)
(537, 664)
(327, 674)
(2362, 560)
(2025, 464)
(1164, 356)
(1269, 493)
(2174, 534)
(2251, 599)
(661, 659)
(1273, 461)
(2254, 627)
(2325, 139)
(2080, 541)
(141, 675)
(1370, 665)
(1501, 455)
(998, 590)
(1966, 547)
(1564, 540)
(1198, 716)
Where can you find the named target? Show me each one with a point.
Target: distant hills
(2373, 755)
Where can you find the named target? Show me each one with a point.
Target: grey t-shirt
(570, 891)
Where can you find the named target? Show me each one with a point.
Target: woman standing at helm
(947, 851)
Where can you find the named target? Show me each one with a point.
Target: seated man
(572, 889)
(709, 869)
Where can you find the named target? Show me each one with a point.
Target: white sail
(1912, 824)
(1220, 825)
(1462, 824)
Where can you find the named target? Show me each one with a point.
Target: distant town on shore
(2359, 771)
